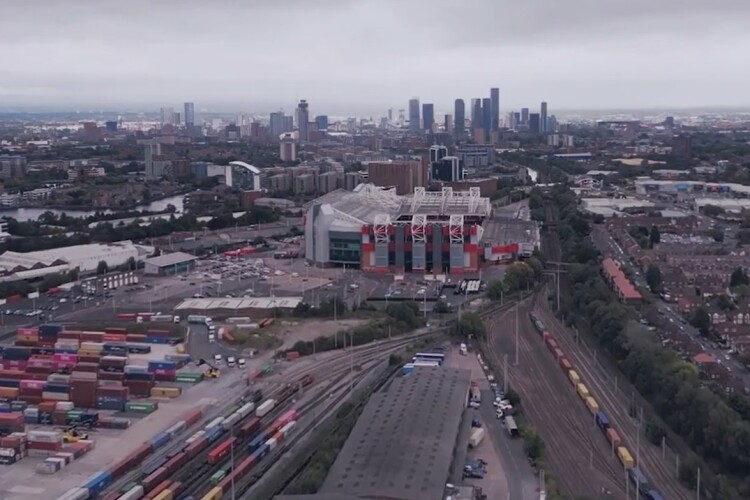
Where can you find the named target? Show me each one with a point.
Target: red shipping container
(157, 333)
(112, 329)
(39, 369)
(114, 337)
(69, 335)
(47, 406)
(193, 417)
(86, 367)
(89, 359)
(32, 400)
(136, 337)
(158, 490)
(292, 355)
(44, 445)
(14, 442)
(13, 374)
(92, 336)
(164, 377)
(176, 462)
(111, 376)
(26, 343)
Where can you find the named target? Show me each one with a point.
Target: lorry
(198, 319)
(476, 436)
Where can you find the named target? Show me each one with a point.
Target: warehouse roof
(240, 303)
(402, 445)
(170, 259)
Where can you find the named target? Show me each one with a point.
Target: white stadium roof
(247, 166)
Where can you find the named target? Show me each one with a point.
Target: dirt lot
(294, 331)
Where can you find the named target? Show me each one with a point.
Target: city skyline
(88, 55)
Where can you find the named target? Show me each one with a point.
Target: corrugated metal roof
(170, 259)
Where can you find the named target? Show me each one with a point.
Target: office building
(176, 119)
(321, 122)
(476, 155)
(288, 148)
(543, 119)
(110, 126)
(167, 116)
(495, 107)
(152, 155)
(279, 124)
(459, 128)
(404, 175)
(476, 115)
(12, 166)
(189, 115)
(428, 116)
(487, 115)
(446, 169)
(448, 125)
(524, 116)
(682, 145)
(303, 117)
(534, 125)
(669, 122)
(437, 153)
(551, 124)
(414, 115)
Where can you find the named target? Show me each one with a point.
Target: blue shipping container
(16, 353)
(53, 387)
(139, 376)
(4, 408)
(162, 365)
(98, 482)
(214, 434)
(654, 495)
(160, 440)
(601, 420)
(257, 442)
(8, 382)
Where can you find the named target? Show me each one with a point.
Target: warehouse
(255, 307)
(15, 266)
(170, 264)
(377, 230)
(403, 444)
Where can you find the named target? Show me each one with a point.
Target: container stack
(11, 422)
(160, 337)
(48, 335)
(27, 337)
(139, 380)
(12, 448)
(164, 371)
(15, 358)
(111, 397)
(141, 407)
(68, 454)
(44, 443)
(83, 387)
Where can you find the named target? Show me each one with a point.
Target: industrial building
(170, 264)
(403, 444)
(15, 266)
(377, 230)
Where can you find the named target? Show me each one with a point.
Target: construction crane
(212, 372)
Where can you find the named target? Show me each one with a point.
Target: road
(610, 248)
(522, 482)
(578, 455)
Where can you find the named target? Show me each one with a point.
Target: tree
(653, 278)
(655, 432)
(102, 268)
(496, 289)
(518, 276)
(471, 324)
(654, 236)
(442, 307)
(702, 321)
(725, 303)
(739, 277)
(712, 210)
(717, 234)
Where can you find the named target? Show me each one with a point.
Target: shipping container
(592, 405)
(639, 480)
(176, 462)
(625, 458)
(221, 451)
(214, 494)
(134, 493)
(152, 480)
(583, 392)
(602, 421)
(613, 437)
(565, 364)
(265, 407)
(249, 428)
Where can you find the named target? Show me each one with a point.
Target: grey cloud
(366, 55)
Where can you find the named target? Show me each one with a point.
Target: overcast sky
(364, 56)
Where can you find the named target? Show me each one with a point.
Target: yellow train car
(582, 391)
(626, 459)
(574, 378)
(214, 494)
(592, 405)
(165, 495)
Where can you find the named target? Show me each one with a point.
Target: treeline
(402, 317)
(704, 420)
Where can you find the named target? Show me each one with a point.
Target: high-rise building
(111, 126)
(437, 152)
(448, 124)
(534, 124)
(476, 115)
(414, 114)
(428, 116)
(551, 124)
(288, 148)
(669, 122)
(321, 122)
(167, 116)
(543, 119)
(152, 149)
(304, 118)
(189, 115)
(524, 116)
(404, 175)
(487, 115)
(460, 114)
(516, 119)
(276, 126)
(495, 106)
(447, 168)
(176, 119)
(287, 123)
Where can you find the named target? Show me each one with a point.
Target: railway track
(578, 455)
(650, 461)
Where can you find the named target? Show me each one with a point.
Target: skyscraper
(321, 121)
(304, 118)
(276, 125)
(476, 114)
(414, 114)
(543, 119)
(460, 115)
(167, 116)
(534, 125)
(495, 99)
(525, 116)
(448, 124)
(428, 116)
(487, 115)
(189, 115)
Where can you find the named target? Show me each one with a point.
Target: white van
(230, 361)
(217, 358)
(241, 363)
(211, 338)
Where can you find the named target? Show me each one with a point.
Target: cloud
(362, 56)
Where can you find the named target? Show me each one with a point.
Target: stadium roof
(247, 166)
(402, 445)
(367, 201)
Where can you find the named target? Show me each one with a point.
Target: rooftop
(208, 304)
(402, 445)
(170, 259)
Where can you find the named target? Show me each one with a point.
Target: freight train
(635, 475)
